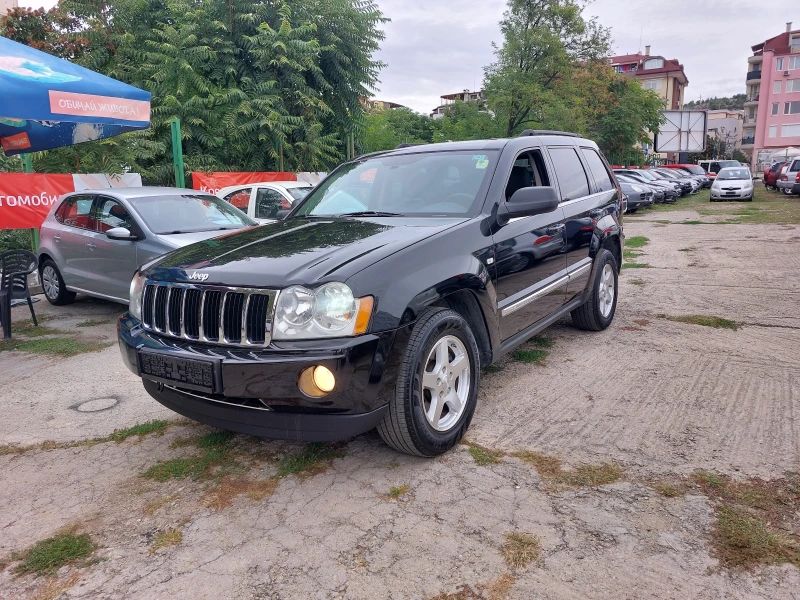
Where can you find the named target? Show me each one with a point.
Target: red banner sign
(214, 182)
(26, 198)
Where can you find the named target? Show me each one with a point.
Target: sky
(436, 47)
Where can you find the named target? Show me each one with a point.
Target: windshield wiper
(370, 213)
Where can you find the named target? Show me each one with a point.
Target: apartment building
(665, 77)
(727, 125)
(450, 99)
(7, 5)
(772, 109)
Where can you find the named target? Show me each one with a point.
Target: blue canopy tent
(47, 102)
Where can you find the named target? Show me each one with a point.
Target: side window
(528, 171)
(109, 214)
(269, 202)
(570, 173)
(240, 198)
(602, 179)
(75, 212)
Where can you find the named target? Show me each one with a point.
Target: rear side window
(795, 165)
(602, 178)
(571, 177)
(75, 212)
(269, 202)
(111, 214)
(240, 198)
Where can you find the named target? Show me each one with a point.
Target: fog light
(316, 381)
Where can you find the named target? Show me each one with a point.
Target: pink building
(772, 109)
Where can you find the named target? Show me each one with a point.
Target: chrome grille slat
(229, 316)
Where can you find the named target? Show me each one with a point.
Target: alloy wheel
(606, 290)
(50, 282)
(446, 383)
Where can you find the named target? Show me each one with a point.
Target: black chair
(15, 266)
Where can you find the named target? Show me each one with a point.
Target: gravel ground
(653, 396)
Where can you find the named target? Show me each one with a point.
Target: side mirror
(282, 214)
(527, 202)
(120, 233)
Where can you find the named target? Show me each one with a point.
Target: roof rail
(532, 132)
(409, 145)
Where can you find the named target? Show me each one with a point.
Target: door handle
(91, 246)
(57, 237)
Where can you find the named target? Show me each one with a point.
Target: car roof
(283, 184)
(732, 168)
(141, 192)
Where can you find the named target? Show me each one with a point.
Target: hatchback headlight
(329, 311)
(637, 188)
(136, 296)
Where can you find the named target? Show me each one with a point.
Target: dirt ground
(656, 398)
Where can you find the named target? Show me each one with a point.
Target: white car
(262, 201)
(789, 180)
(733, 183)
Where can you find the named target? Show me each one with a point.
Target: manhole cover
(97, 404)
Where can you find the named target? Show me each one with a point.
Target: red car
(771, 175)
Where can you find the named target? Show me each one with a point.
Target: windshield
(425, 184)
(666, 175)
(189, 213)
(734, 174)
(298, 193)
(695, 170)
(647, 176)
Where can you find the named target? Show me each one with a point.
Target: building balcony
(751, 100)
(755, 59)
(754, 76)
(748, 141)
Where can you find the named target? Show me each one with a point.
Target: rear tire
(53, 284)
(420, 421)
(598, 313)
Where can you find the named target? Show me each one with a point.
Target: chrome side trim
(580, 267)
(523, 302)
(72, 288)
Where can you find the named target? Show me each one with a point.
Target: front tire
(598, 313)
(437, 388)
(53, 284)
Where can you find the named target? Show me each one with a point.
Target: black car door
(530, 272)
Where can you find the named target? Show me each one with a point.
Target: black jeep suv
(383, 294)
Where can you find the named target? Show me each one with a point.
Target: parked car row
(784, 176)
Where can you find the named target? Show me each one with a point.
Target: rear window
(795, 165)
(602, 179)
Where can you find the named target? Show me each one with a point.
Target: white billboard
(683, 131)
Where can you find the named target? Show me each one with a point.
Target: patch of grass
(195, 467)
(637, 281)
(498, 589)
(222, 495)
(48, 556)
(165, 539)
(631, 255)
(55, 587)
(690, 249)
(398, 491)
(493, 369)
(484, 457)
(693, 222)
(216, 458)
(158, 426)
(313, 459)
(668, 490)
(521, 549)
(552, 471)
(542, 342)
(26, 328)
(741, 540)
(93, 323)
(637, 241)
(708, 480)
(635, 266)
(58, 346)
(536, 357)
(706, 321)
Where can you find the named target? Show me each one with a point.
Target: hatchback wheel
(437, 388)
(598, 312)
(53, 284)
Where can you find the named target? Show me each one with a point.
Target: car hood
(179, 240)
(733, 184)
(295, 252)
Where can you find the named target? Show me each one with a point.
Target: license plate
(183, 372)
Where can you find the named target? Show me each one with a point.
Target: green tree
(543, 41)
(385, 129)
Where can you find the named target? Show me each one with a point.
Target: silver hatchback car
(94, 240)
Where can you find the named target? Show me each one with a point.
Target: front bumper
(789, 185)
(256, 392)
(731, 195)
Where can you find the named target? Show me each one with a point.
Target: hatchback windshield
(695, 170)
(298, 193)
(188, 213)
(425, 184)
(732, 173)
(647, 176)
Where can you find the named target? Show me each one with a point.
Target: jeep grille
(213, 314)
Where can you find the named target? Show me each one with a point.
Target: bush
(15, 239)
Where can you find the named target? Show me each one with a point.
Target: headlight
(136, 296)
(329, 311)
(637, 188)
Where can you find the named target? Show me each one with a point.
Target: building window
(654, 63)
(752, 113)
(791, 108)
(790, 130)
(652, 84)
(793, 85)
(776, 87)
(794, 63)
(773, 131)
(775, 108)
(779, 64)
